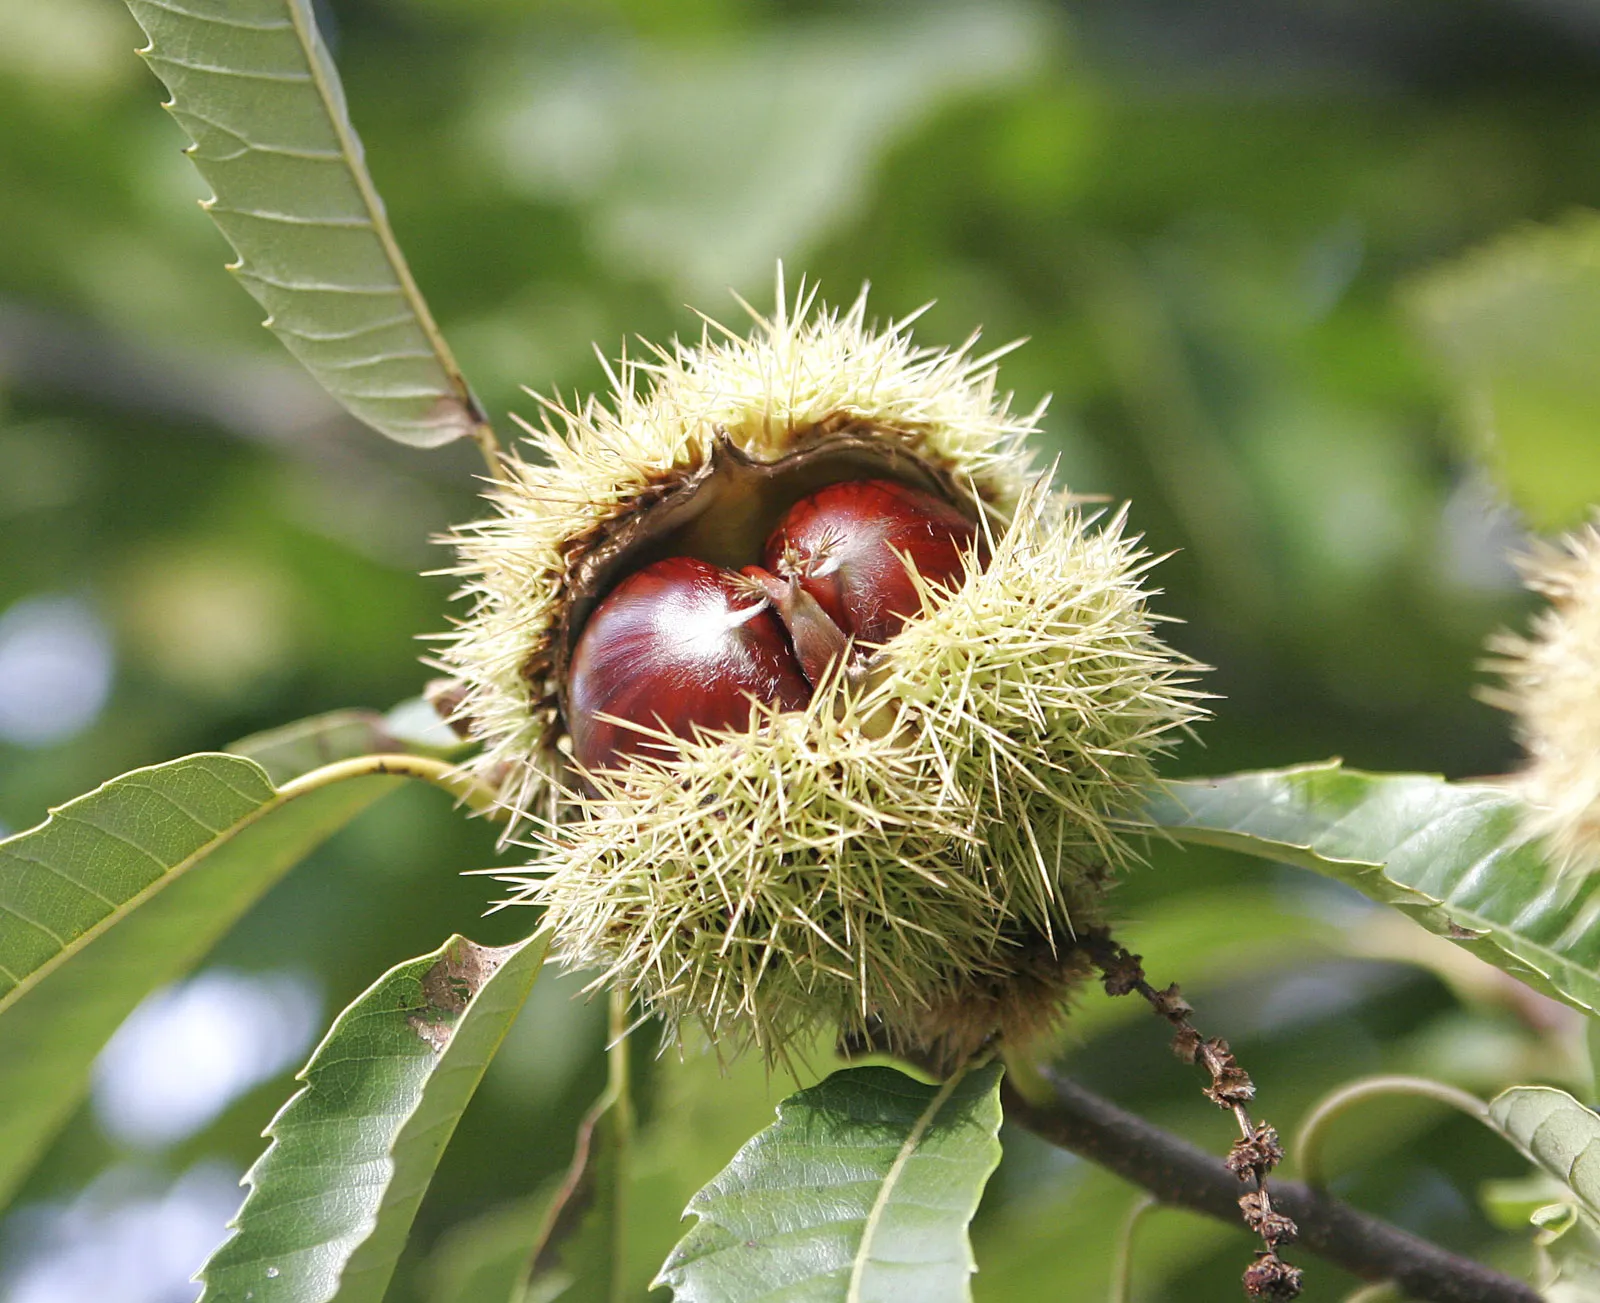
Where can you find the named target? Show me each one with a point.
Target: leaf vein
(378, 359)
(217, 19)
(34, 923)
(50, 867)
(318, 287)
(184, 112)
(333, 336)
(218, 70)
(291, 219)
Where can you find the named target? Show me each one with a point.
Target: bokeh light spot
(123, 1239)
(56, 666)
(189, 1051)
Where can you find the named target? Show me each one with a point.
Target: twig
(489, 447)
(1256, 1152)
(1181, 1174)
(466, 789)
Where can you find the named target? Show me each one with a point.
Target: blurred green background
(1205, 219)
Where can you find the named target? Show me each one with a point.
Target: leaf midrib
(351, 154)
(908, 1147)
(281, 796)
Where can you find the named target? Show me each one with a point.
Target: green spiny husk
(897, 854)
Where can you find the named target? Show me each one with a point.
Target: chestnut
(678, 644)
(683, 644)
(847, 545)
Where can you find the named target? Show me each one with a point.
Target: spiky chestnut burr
(1552, 686)
(904, 859)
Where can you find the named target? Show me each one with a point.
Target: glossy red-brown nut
(846, 542)
(678, 644)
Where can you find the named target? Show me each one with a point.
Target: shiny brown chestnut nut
(678, 644)
(682, 644)
(847, 546)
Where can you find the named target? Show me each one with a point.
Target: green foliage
(579, 1255)
(861, 1191)
(1450, 855)
(332, 1200)
(120, 891)
(1556, 1132)
(485, 1260)
(1518, 324)
(1559, 1135)
(256, 90)
(658, 199)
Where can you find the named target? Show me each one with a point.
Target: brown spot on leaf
(449, 986)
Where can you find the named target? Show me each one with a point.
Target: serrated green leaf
(862, 1192)
(332, 1199)
(1562, 1139)
(253, 85)
(1557, 1133)
(1448, 854)
(121, 891)
(1518, 325)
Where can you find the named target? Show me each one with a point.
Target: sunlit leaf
(332, 1199)
(704, 1108)
(1512, 1204)
(1518, 325)
(1448, 854)
(862, 1190)
(121, 891)
(1562, 1138)
(252, 83)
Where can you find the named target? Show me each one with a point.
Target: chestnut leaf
(332, 1199)
(1449, 855)
(862, 1190)
(1561, 1137)
(123, 890)
(253, 85)
(1557, 1133)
